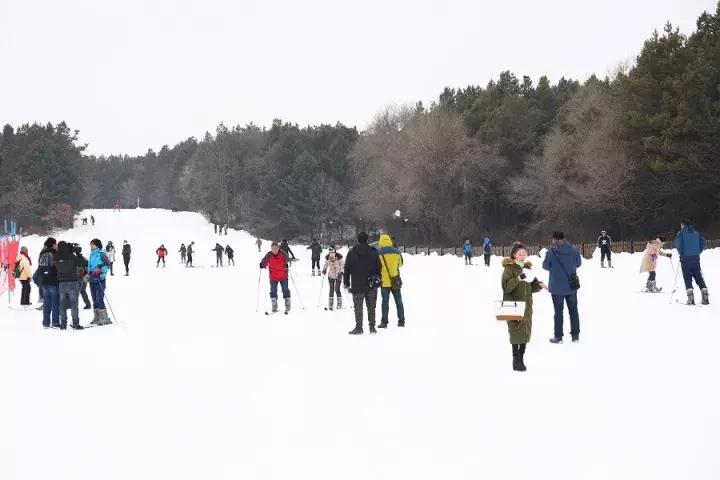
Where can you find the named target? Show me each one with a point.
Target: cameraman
(67, 273)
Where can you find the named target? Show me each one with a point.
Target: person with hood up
(467, 252)
(362, 279)
(126, 252)
(487, 250)
(562, 261)
(690, 244)
(333, 268)
(219, 250)
(390, 262)
(649, 262)
(316, 251)
(277, 264)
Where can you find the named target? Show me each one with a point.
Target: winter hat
(362, 237)
(331, 249)
(558, 235)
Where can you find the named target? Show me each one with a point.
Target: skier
(161, 253)
(126, 251)
(517, 285)
(46, 275)
(467, 252)
(690, 244)
(258, 242)
(98, 267)
(487, 250)
(226, 228)
(24, 264)
(116, 208)
(82, 271)
(84, 221)
(110, 252)
(183, 254)
(362, 267)
(333, 268)
(215, 226)
(562, 261)
(219, 250)
(316, 252)
(277, 263)
(390, 262)
(649, 262)
(189, 255)
(285, 248)
(67, 271)
(230, 254)
(92, 220)
(604, 243)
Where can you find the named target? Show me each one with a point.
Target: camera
(76, 248)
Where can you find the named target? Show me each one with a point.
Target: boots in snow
(287, 305)
(516, 357)
(401, 323)
(357, 330)
(96, 317)
(103, 318)
(313, 272)
(383, 323)
(652, 287)
(705, 296)
(274, 305)
(521, 357)
(372, 329)
(330, 303)
(610, 264)
(339, 303)
(691, 296)
(602, 263)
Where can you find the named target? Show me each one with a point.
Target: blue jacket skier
(690, 244)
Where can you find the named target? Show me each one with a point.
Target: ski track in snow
(194, 383)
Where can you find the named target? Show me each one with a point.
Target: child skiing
(649, 263)
(467, 252)
(333, 268)
(277, 263)
(161, 253)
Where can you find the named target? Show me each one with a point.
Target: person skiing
(690, 244)
(604, 243)
(161, 253)
(82, 271)
(562, 261)
(92, 220)
(333, 268)
(98, 267)
(230, 254)
(467, 252)
(116, 208)
(390, 262)
(46, 275)
(285, 248)
(126, 251)
(226, 229)
(183, 253)
(67, 272)
(219, 250)
(649, 262)
(518, 284)
(189, 255)
(110, 252)
(258, 242)
(487, 250)
(84, 221)
(277, 264)
(24, 263)
(316, 251)
(362, 278)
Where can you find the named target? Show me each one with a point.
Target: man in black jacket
(285, 248)
(126, 251)
(47, 278)
(66, 264)
(316, 250)
(362, 278)
(604, 243)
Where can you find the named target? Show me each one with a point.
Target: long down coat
(518, 290)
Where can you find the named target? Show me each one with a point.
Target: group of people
(487, 250)
(62, 276)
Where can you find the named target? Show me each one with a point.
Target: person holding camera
(67, 265)
(362, 279)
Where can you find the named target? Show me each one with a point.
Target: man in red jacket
(277, 263)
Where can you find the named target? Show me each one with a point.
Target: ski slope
(192, 383)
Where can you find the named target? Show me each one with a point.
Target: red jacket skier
(277, 263)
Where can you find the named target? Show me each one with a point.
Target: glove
(669, 255)
(96, 273)
(523, 276)
(324, 272)
(262, 265)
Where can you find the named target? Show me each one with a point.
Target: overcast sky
(137, 74)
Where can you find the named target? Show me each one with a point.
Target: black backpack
(67, 268)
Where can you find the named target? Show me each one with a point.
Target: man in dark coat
(562, 261)
(690, 244)
(316, 250)
(285, 248)
(126, 250)
(66, 264)
(362, 279)
(219, 250)
(604, 243)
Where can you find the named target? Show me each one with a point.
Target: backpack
(66, 267)
(18, 269)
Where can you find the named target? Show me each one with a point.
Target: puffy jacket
(604, 242)
(277, 265)
(334, 267)
(362, 262)
(218, 250)
(316, 250)
(46, 265)
(521, 291)
(561, 255)
(97, 262)
(161, 252)
(110, 253)
(650, 256)
(230, 252)
(487, 246)
(390, 260)
(467, 248)
(126, 250)
(689, 242)
(26, 272)
(285, 248)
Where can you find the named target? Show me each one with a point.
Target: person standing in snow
(562, 261)
(277, 264)
(487, 250)
(215, 226)
(219, 250)
(230, 254)
(110, 252)
(82, 271)
(285, 248)
(518, 284)
(161, 253)
(604, 243)
(390, 262)
(23, 260)
(333, 268)
(649, 262)
(226, 229)
(67, 270)
(46, 275)
(690, 244)
(467, 252)
(126, 251)
(189, 255)
(98, 267)
(183, 254)
(92, 220)
(362, 279)
(258, 242)
(316, 251)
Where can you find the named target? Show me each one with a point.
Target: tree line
(631, 153)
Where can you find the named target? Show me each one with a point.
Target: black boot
(521, 356)
(383, 323)
(372, 328)
(516, 358)
(356, 331)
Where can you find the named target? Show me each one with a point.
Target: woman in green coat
(519, 287)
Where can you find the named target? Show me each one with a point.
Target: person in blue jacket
(467, 252)
(690, 244)
(562, 261)
(98, 267)
(487, 250)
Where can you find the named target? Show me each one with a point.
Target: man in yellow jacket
(390, 262)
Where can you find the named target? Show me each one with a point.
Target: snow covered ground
(192, 383)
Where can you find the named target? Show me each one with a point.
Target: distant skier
(487, 250)
(285, 248)
(258, 242)
(84, 221)
(110, 252)
(183, 254)
(316, 250)
(277, 263)
(161, 253)
(219, 250)
(604, 243)
(230, 254)
(190, 255)
(467, 252)
(215, 226)
(226, 229)
(649, 262)
(126, 252)
(333, 268)
(690, 244)
(116, 208)
(92, 220)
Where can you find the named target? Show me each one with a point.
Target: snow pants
(605, 253)
(335, 287)
(487, 259)
(25, 293)
(126, 261)
(315, 263)
(691, 271)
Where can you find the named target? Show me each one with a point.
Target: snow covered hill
(192, 383)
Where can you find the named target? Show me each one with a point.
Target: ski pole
(321, 289)
(107, 300)
(257, 303)
(677, 273)
(296, 290)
